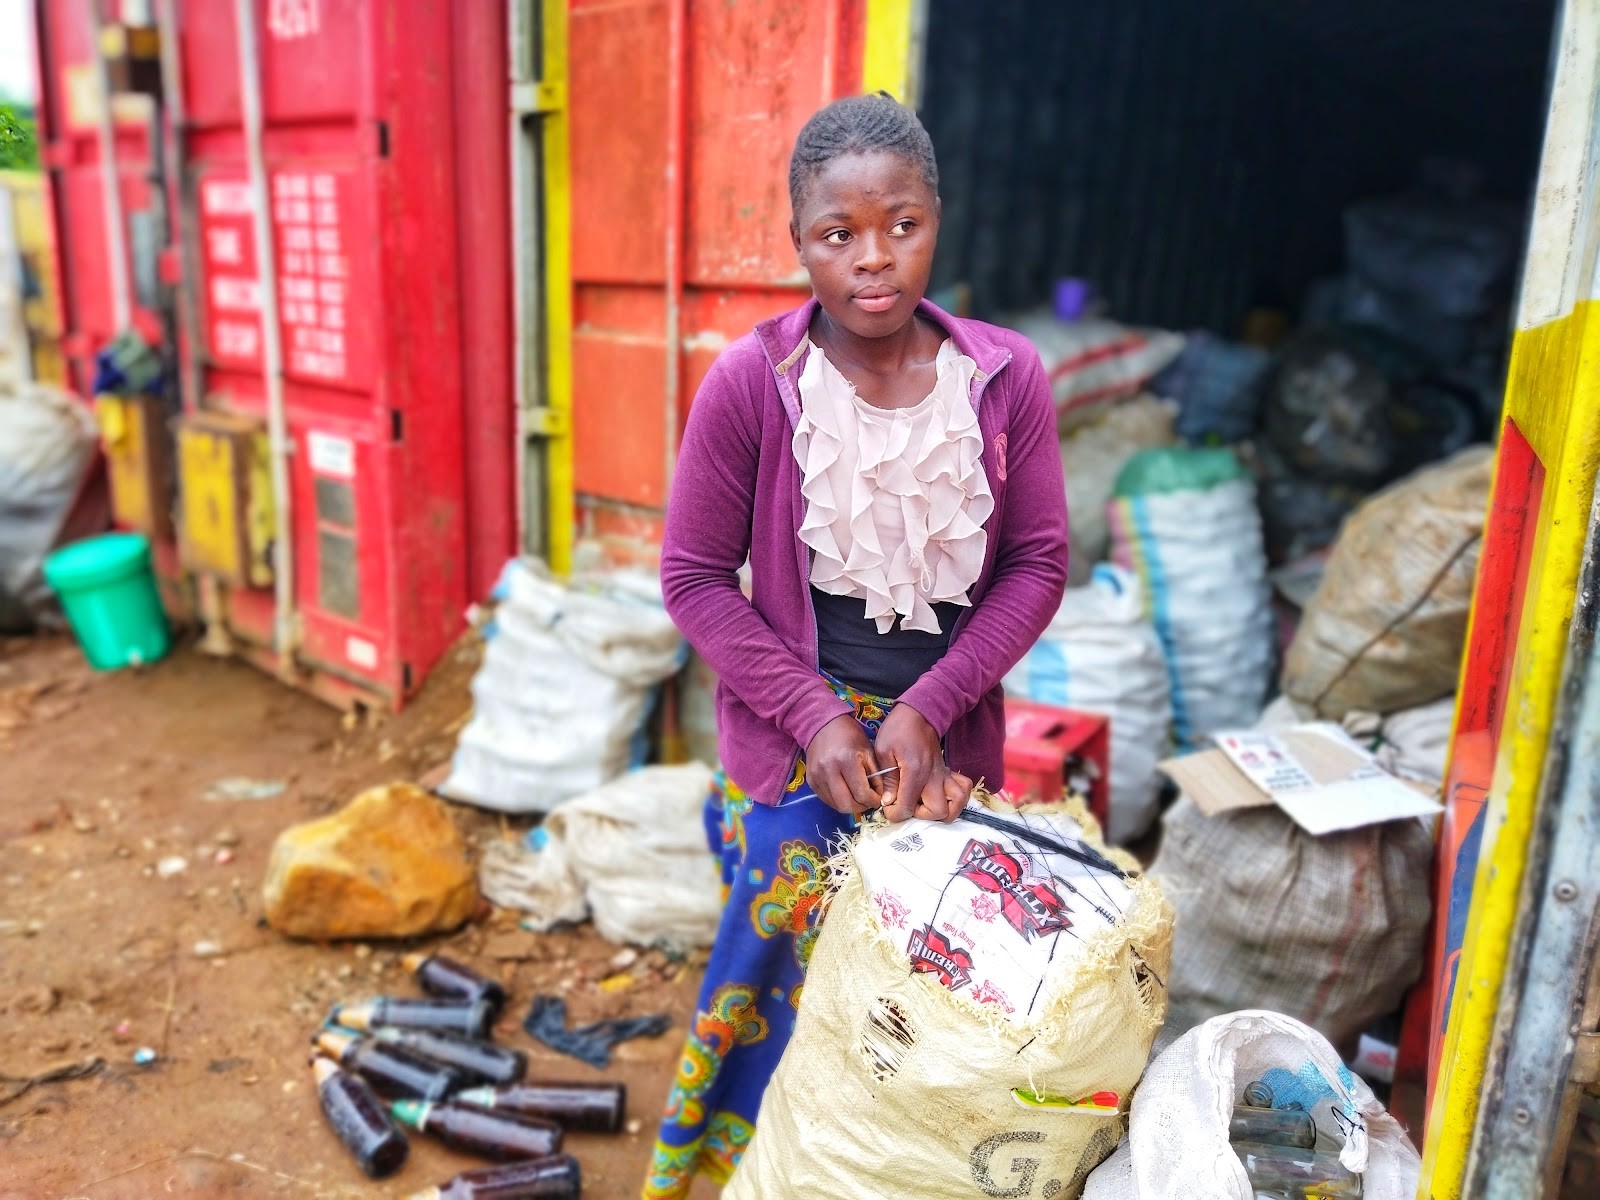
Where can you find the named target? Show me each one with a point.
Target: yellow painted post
(561, 502)
(1553, 399)
(891, 49)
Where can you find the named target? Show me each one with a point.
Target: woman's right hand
(838, 763)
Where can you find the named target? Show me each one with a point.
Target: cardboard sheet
(1314, 772)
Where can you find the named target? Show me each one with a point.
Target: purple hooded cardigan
(736, 494)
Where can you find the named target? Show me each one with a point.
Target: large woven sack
(1100, 654)
(632, 852)
(567, 683)
(1329, 930)
(1177, 1147)
(1385, 629)
(1185, 522)
(897, 1088)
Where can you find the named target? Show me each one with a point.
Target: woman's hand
(924, 787)
(838, 762)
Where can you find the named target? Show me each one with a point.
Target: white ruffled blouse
(895, 498)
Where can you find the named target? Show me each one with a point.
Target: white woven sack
(1099, 654)
(895, 1088)
(1093, 360)
(1201, 558)
(1178, 1147)
(564, 689)
(632, 853)
(614, 622)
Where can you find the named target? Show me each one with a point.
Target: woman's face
(865, 233)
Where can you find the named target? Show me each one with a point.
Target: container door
(1507, 733)
(682, 119)
(361, 155)
(98, 288)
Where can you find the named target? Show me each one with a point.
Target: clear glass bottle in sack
(1298, 1173)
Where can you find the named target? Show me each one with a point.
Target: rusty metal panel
(683, 116)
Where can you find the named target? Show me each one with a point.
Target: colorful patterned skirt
(774, 875)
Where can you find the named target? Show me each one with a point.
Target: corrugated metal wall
(1193, 159)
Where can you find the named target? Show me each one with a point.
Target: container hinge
(1586, 1059)
(545, 96)
(542, 421)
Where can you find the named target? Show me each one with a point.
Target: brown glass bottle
(450, 980)
(593, 1107)
(481, 1131)
(480, 1062)
(555, 1178)
(359, 1118)
(392, 1070)
(469, 1019)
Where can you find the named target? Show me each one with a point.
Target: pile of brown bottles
(1279, 1150)
(428, 1064)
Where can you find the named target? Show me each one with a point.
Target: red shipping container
(384, 122)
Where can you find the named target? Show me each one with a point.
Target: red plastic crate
(1041, 740)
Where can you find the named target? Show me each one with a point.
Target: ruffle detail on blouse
(895, 499)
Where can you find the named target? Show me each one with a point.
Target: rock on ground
(391, 863)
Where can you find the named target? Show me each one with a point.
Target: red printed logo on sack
(986, 908)
(1031, 907)
(1000, 456)
(892, 911)
(986, 993)
(932, 954)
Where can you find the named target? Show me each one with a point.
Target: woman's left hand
(924, 787)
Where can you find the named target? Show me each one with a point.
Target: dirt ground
(104, 777)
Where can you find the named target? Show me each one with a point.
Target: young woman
(891, 474)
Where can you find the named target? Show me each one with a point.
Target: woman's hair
(855, 125)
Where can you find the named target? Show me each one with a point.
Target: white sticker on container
(361, 653)
(332, 455)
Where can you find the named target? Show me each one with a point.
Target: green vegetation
(19, 146)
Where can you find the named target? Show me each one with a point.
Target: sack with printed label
(1099, 654)
(1178, 1148)
(979, 1006)
(568, 678)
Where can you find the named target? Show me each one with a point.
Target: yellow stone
(391, 863)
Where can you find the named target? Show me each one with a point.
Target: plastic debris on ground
(632, 853)
(593, 1043)
(1185, 522)
(242, 787)
(965, 972)
(1100, 654)
(569, 675)
(1180, 1130)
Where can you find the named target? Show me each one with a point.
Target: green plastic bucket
(109, 594)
